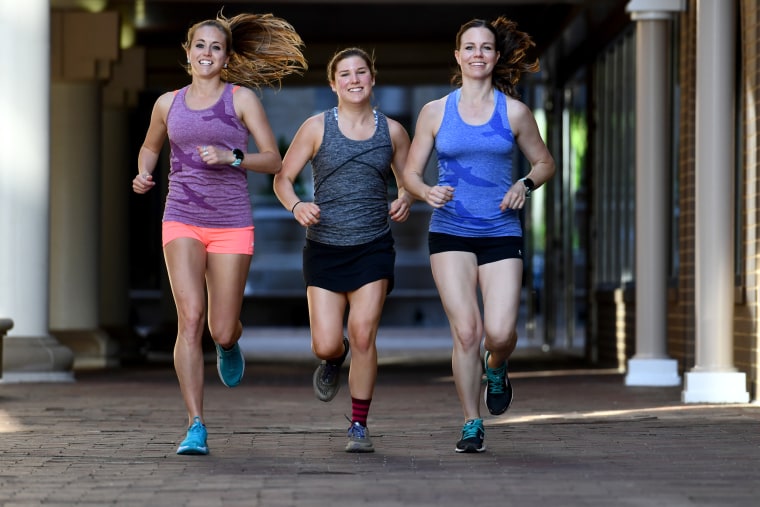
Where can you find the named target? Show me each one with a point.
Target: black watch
(239, 156)
(529, 185)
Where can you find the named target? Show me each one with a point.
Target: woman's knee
(226, 334)
(327, 346)
(500, 339)
(191, 320)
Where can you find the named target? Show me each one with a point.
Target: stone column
(650, 366)
(119, 165)
(714, 378)
(86, 45)
(30, 353)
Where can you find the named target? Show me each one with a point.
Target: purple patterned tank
(214, 196)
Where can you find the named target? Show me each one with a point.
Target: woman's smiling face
(207, 52)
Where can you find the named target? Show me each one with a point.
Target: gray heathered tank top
(351, 185)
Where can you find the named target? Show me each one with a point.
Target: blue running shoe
(195, 441)
(472, 437)
(358, 439)
(498, 392)
(326, 379)
(230, 364)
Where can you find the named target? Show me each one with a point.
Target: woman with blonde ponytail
(207, 230)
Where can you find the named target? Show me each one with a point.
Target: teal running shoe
(498, 392)
(472, 437)
(230, 364)
(195, 441)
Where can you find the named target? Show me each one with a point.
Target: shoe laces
(328, 372)
(496, 379)
(471, 429)
(356, 430)
(196, 427)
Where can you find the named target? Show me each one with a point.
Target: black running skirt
(347, 268)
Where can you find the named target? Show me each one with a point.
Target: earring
(225, 65)
(188, 60)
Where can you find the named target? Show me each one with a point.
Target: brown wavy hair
(263, 49)
(513, 46)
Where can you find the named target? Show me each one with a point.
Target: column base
(652, 372)
(715, 387)
(92, 348)
(36, 359)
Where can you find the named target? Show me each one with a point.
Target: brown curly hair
(513, 46)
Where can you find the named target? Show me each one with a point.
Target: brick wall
(746, 316)
(681, 322)
(681, 314)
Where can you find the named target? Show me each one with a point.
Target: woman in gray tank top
(349, 256)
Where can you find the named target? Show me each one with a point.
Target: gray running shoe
(326, 380)
(358, 439)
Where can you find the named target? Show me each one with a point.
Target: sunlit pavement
(571, 438)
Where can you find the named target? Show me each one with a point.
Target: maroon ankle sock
(359, 411)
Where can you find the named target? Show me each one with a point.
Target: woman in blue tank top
(349, 257)
(207, 231)
(475, 235)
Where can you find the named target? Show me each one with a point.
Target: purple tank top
(214, 196)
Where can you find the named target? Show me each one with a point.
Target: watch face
(238, 154)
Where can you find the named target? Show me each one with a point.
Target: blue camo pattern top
(476, 160)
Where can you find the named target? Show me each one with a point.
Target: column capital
(653, 10)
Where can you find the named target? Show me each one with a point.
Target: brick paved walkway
(569, 440)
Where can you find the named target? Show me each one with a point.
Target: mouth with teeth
(205, 62)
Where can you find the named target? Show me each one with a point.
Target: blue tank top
(477, 161)
(214, 196)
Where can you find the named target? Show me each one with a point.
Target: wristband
(294, 206)
(239, 156)
(529, 185)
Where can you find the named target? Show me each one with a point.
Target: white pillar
(714, 378)
(30, 352)
(76, 134)
(84, 48)
(650, 366)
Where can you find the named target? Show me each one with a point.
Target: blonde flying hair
(263, 49)
(512, 45)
